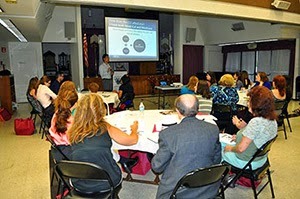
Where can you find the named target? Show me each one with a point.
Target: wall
(213, 58)
(26, 62)
(217, 30)
(55, 31)
(57, 48)
(4, 56)
(76, 52)
(181, 22)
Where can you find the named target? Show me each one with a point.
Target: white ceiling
(31, 16)
(28, 16)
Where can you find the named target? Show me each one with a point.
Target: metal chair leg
(289, 124)
(285, 136)
(271, 184)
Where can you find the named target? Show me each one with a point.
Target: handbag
(24, 126)
(4, 114)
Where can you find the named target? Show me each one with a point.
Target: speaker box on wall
(190, 34)
(69, 30)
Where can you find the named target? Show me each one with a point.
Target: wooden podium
(88, 80)
(7, 92)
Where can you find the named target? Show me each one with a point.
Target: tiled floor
(24, 163)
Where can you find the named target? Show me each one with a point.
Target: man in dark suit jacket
(184, 147)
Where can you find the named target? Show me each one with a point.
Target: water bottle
(141, 117)
(141, 108)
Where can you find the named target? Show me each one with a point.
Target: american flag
(85, 51)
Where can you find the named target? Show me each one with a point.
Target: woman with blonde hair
(191, 87)
(67, 85)
(225, 93)
(91, 139)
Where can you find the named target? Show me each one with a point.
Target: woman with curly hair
(261, 128)
(225, 93)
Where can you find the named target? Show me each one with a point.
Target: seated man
(184, 147)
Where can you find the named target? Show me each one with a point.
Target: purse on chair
(24, 126)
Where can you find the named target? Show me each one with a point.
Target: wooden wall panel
(143, 86)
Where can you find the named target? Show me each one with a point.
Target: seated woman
(45, 96)
(67, 85)
(62, 120)
(93, 87)
(260, 129)
(31, 94)
(261, 79)
(91, 140)
(279, 88)
(237, 79)
(204, 97)
(125, 93)
(245, 80)
(225, 93)
(190, 87)
(211, 79)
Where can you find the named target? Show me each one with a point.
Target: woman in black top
(91, 140)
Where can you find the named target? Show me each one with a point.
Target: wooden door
(192, 61)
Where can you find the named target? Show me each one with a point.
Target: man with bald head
(184, 147)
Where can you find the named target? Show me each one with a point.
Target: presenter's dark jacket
(185, 147)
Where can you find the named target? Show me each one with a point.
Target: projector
(284, 5)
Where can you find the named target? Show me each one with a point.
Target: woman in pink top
(62, 120)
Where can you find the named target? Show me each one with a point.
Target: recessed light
(1, 10)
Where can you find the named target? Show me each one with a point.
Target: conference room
(267, 43)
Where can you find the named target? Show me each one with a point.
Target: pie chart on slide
(139, 45)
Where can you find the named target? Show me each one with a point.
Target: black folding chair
(248, 172)
(67, 170)
(53, 156)
(281, 110)
(203, 177)
(224, 115)
(34, 112)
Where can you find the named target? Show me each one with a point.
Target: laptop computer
(163, 83)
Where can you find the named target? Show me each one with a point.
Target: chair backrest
(279, 106)
(221, 108)
(82, 170)
(264, 149)
(54, 145)
(202, 177)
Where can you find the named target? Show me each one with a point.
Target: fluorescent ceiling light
(6, 23)
(247, 42)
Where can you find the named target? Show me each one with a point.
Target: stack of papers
(226, 138)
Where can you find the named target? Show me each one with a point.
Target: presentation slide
(131, 39)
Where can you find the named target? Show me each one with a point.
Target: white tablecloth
(148, 141)
(107, 97)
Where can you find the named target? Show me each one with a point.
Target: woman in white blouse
(45, 95)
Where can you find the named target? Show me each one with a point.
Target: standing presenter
(106, 73)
